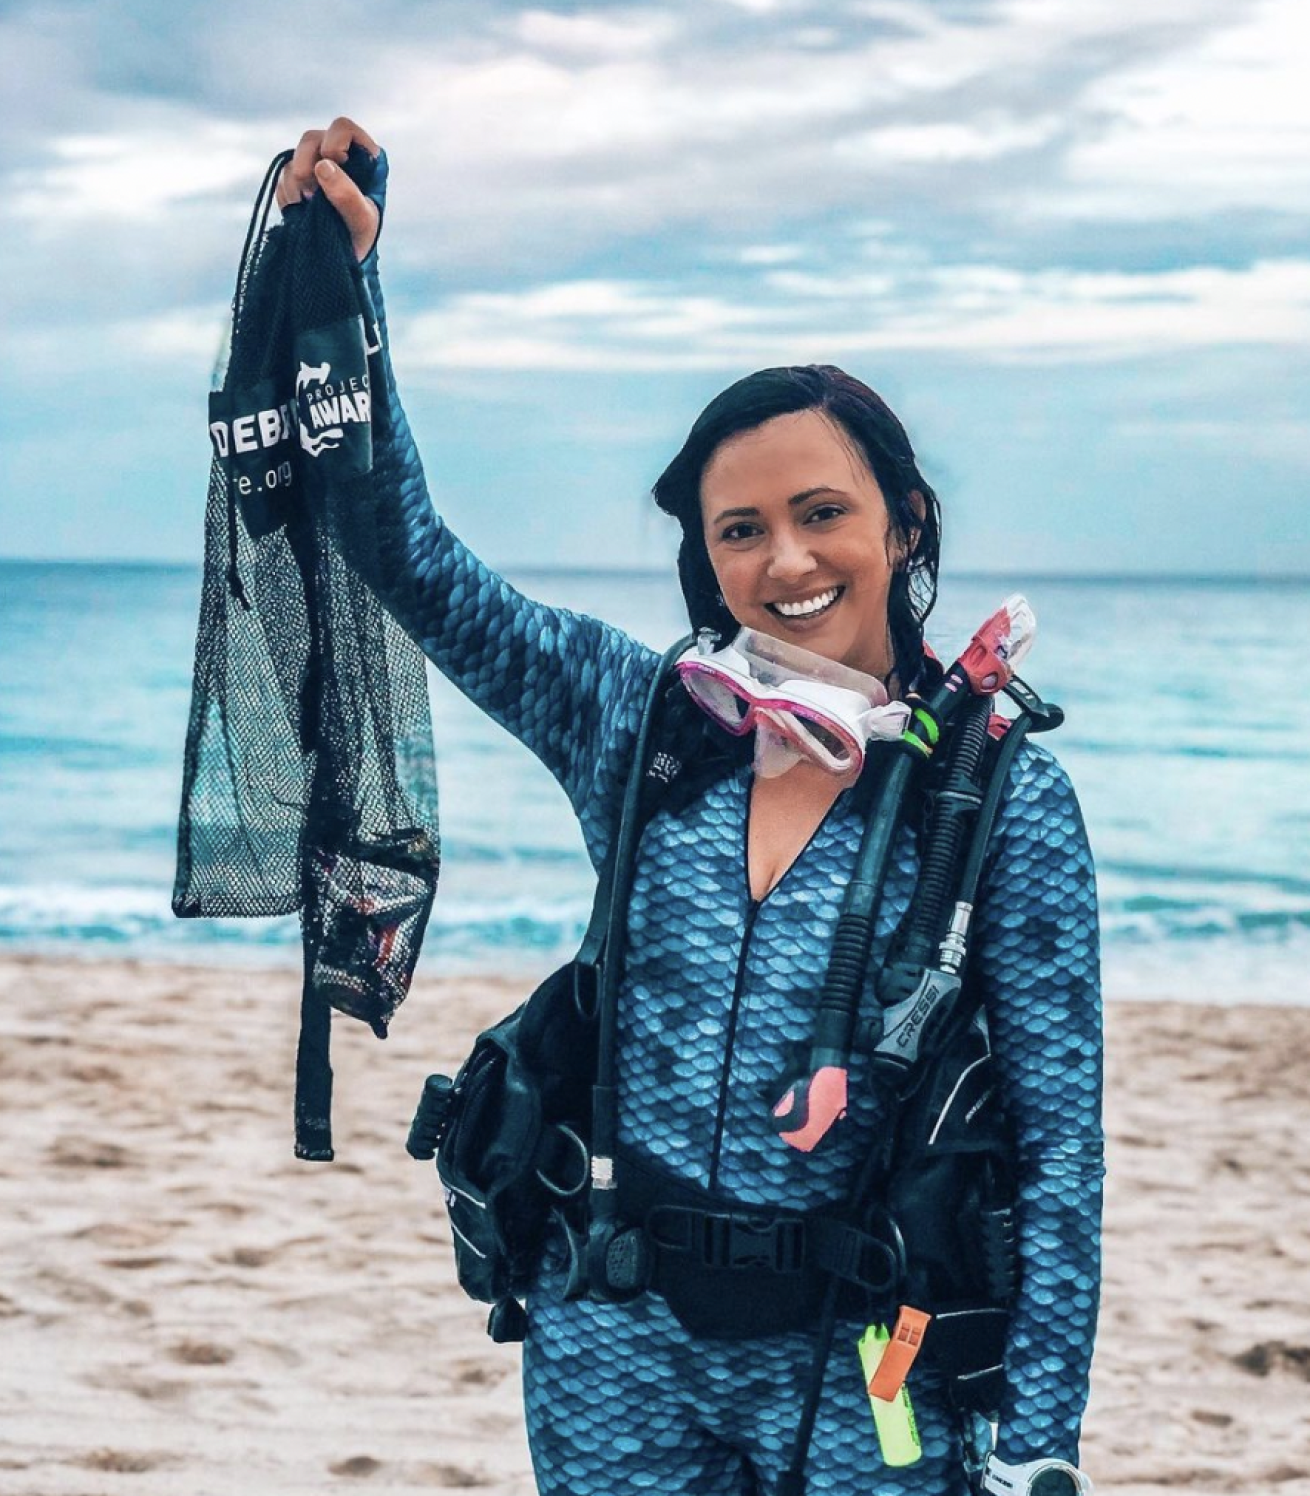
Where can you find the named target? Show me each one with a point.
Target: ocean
(1187, 738)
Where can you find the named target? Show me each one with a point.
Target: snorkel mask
(799, 705)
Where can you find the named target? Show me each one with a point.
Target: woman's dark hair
(876, 434)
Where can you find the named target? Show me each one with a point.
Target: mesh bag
(309, 778)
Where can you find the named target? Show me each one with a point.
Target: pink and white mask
(798, 704)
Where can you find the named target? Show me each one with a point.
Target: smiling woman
(743, 1264)
(795, 483)
(816, 560)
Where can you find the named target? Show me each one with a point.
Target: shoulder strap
(603, 942)
(593, 942)
(610, 888)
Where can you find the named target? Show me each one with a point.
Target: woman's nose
(790, 558)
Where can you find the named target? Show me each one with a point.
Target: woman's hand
(316, 164)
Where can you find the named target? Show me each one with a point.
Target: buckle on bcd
(873, 1262)
(870, 1263)
(741, 1241)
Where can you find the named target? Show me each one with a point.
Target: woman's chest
(783, 816)
(720, 988)
(723, 896)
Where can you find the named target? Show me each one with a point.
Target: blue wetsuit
(717, 990)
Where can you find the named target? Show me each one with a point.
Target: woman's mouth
(803, 610)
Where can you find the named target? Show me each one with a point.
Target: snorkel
(813, 1100)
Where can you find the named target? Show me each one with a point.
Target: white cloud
(931, 144)
(1221, 124)
(988, 311)
(582, 35)
(190, 334)
(532, 142)
(815, 36)
(136, 174)
(654, 123)
(812, 288)
(536, 138)
(180, 344)
(575, 325)
(769, 254)
(760, 7)
(1284, 443)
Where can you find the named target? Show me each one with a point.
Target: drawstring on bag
(255, 232)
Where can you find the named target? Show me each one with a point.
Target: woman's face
(799, 538)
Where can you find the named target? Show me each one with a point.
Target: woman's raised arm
(568, 686)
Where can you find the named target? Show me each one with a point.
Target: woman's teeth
(811, 608)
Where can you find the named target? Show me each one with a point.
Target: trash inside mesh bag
(309, 779)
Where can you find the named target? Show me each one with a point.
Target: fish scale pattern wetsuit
(718, 989)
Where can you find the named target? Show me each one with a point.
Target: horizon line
(647, 573)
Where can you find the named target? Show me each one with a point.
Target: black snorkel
(816, 1098)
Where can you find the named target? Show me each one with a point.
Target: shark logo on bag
(318, 374)
(328, 406)
(333, 399)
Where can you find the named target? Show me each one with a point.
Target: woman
(804, 517)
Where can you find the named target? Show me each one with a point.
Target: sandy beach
(186, 1310)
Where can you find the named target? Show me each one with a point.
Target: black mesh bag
(309, 779)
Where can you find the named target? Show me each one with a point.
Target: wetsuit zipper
(752, 909)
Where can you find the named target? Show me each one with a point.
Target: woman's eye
(822, 512)
(740, 531)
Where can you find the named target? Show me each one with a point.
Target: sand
(186, 1310)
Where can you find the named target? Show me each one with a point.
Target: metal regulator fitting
(1036, 1478)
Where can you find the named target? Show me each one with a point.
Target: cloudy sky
(1070, 242)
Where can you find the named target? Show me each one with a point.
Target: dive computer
(1036, 1478)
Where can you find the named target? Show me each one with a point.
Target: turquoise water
(1188, 738)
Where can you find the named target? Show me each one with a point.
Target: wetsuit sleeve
(1037, 943)
(569, 687)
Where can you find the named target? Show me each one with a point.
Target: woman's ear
(905, 549)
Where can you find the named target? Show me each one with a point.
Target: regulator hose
(955, 807)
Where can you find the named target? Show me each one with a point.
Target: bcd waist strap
(784, 1244)
(729, 1271)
